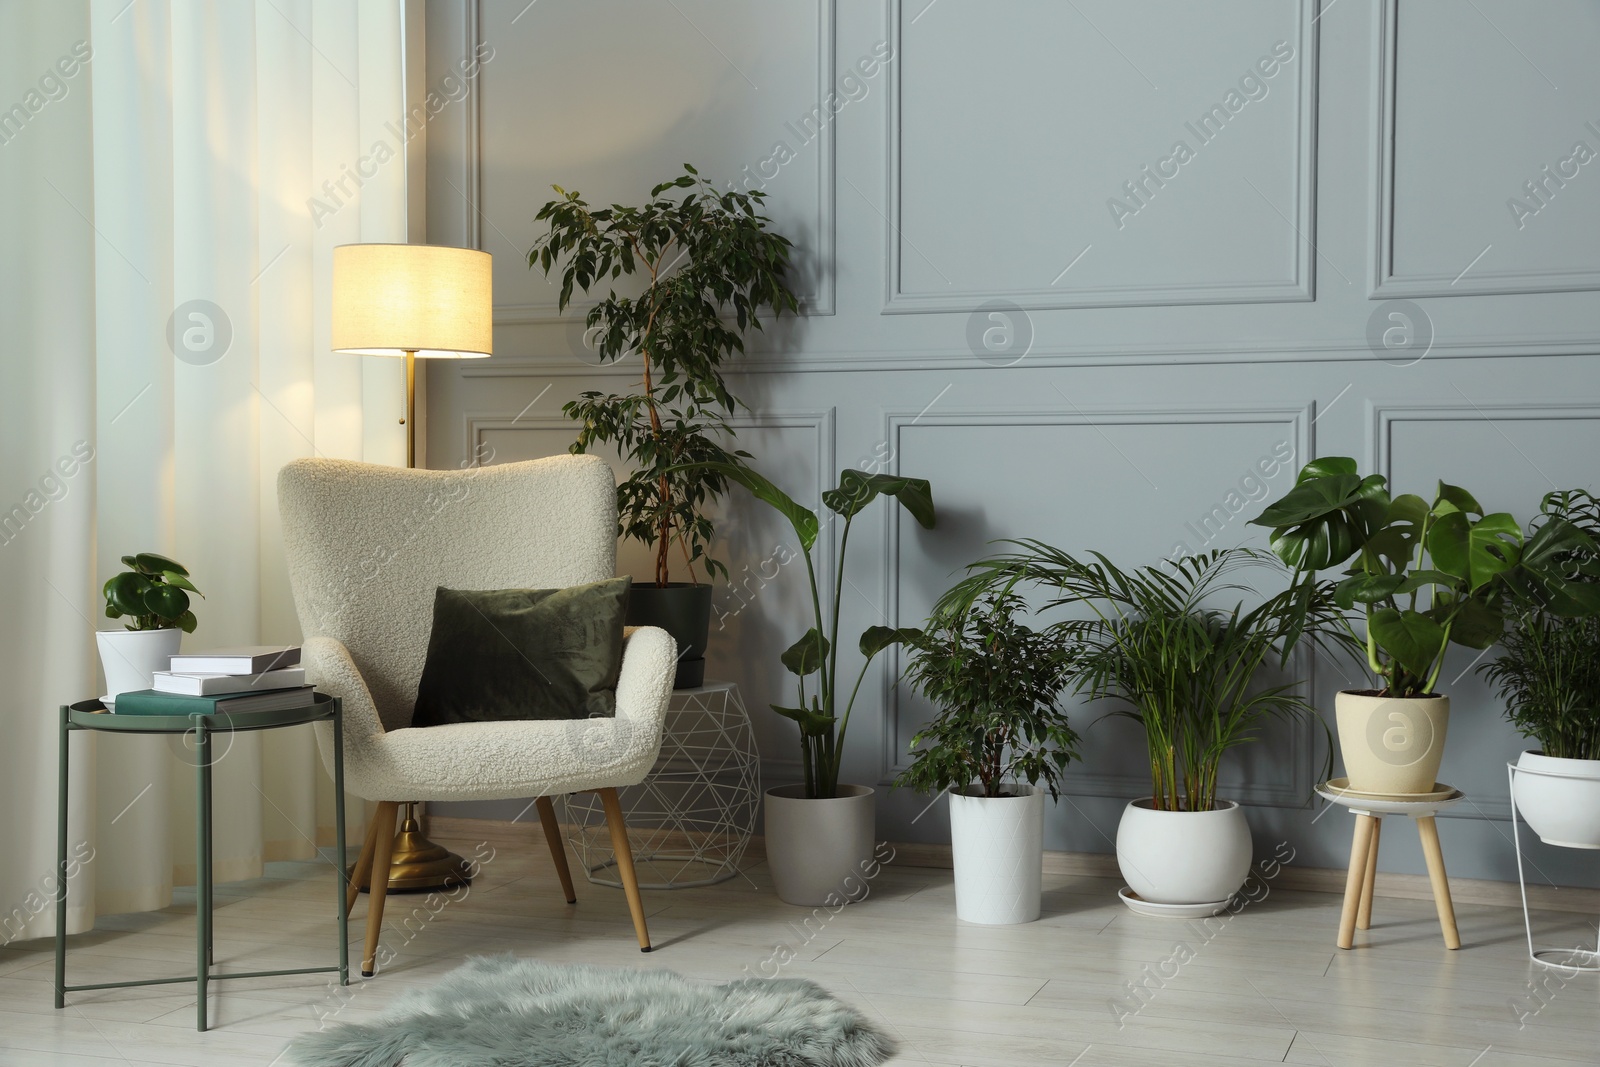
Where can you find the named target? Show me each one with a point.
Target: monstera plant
(1425, 574)
(819, 833)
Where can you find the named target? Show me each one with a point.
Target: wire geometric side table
(692, 817)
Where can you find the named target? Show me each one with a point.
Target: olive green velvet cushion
(523, 654)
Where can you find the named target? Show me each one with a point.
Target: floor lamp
(419, 302)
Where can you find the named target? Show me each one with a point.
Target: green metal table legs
(202, 876)
(61, 870)
(338, 844)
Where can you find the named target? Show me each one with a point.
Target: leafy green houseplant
(1548, 674)
(1190, 674)
(808, 850)
(709, 267)
(1426, 575)
(996, 683)
(152, 595)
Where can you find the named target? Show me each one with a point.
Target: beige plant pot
(1392, 744)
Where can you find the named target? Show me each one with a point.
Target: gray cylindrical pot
(819, 851)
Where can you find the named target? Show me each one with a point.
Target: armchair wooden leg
(1364, 914)
(558, 851)
(363, 866)
(383, 824)
(624, 855)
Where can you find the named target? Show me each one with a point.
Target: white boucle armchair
(367, 546)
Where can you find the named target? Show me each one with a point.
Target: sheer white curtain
(164, 287)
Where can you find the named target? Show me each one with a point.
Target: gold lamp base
(418, 865)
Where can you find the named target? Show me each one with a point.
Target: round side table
(1369, 811)
(693, 816)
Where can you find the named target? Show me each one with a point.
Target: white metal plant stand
(1586, 959)
(692, 817)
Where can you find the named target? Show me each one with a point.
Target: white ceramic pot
(819, 851)
(1392, 745)
(130, 658)
(999, 854)
(1183, 857)
(1559, 799)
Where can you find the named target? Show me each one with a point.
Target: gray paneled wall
(1104, 272)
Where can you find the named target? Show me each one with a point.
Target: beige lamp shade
(429, 300)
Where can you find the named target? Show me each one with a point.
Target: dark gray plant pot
(683, 610)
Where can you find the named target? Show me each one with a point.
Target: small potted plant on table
(819, 831)
(153, 595)
(1548, 673)
(997, 684)
(1426, 575)
(706, 257)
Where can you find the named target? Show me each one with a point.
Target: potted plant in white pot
(1426, 576)
(819, 832)
(153, 595)
(1190, 676)
(999, 740)
(1548, 674)
(710, 266)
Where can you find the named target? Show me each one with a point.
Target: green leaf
(153, 563)
(165, 601)
(174, 578)
(878, 638)
(812, 723)
(1321, 468)
(1409, 637)
(125, 592)
(857, 489)
(806, 655)
(1475, 551)
(1312, 499)
(187, 622)
(1458, 496)
(1476, 624)
(1367, 589)
(803, 520)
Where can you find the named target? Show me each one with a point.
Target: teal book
(154, 702)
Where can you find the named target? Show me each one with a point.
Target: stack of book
(223, 681)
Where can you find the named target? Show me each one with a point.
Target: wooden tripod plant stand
(1369, 811)
(374, 863)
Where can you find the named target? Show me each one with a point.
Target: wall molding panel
(819, 302)
(1385, 283)
(1299, 285)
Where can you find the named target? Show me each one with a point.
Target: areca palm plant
(1188, 672)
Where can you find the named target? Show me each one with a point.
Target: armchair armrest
(329, 667)
(649, 662)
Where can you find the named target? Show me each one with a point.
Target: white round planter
(1392, 745)
(1183, 857)
(1559, 799)
(819, 851)
(130, 658)
(999, 855)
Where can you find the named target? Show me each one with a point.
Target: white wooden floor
(1264, 987)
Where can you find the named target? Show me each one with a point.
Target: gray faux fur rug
(504, 1012)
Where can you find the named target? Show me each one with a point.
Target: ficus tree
(710, 266)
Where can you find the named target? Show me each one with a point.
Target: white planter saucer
(1140, 906)
(1412, 804)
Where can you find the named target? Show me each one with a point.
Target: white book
(205, 685)
(244, 659)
